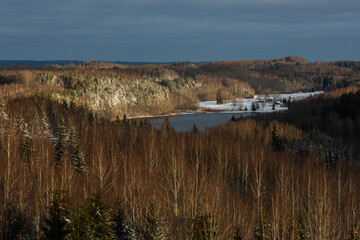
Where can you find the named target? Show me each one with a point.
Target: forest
(68, 172)
(112, 89)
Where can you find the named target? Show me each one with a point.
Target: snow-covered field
(261, 102)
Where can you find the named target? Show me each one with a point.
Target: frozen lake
(185, 122)
(236, 108)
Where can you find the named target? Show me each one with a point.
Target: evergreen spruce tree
(354, 233)
(65, 104)
(302, 232)
(262, 229)
(26, 143)
(59, 148)
(62, 139)
(90, 116)
(253, 107)
(195, 129)
(166, 126)
(277, 142)
(152, 229)
(237, 234)
(15, 223)
(219, 99)
(147, 123)
(77, 154)
(57, 225)
(117, 120)
(73, 106)
(82, 225)
(121, 229)
(100, 219)
(202, 228)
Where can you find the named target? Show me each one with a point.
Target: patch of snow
(240, 105)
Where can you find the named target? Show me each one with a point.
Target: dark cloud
(162, 30)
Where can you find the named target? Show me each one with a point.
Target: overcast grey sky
(186, 30)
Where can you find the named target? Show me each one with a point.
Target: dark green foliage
(117, 119)
(57, 225)
(219, 98)
(145, 123)
(66, 105)
(81, 222)
(59, 148)
(253, 107)
(125, 120)
(100, 220)
(68, 81)
(166, 126)
(92, 220)
(262, 229)
(195, 128)
(73, 106)
(152, 229)
(349, 105)
(60, 145)
(277, 142)
(202, 228)
(302, 232)
(121, 228)
(90, 116)
(15, 223)
(237, 235)
(354, 233)
(78, 157)
(27, 148)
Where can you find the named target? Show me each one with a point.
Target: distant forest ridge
(107, 64)
(37, 63)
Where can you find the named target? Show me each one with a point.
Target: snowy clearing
(262, 103)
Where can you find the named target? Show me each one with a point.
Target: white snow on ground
(244, 104)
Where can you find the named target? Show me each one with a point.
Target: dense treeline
(67, 174)
(336, 113)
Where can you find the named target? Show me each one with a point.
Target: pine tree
(57, 225)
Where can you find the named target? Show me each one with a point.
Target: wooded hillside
(65, 173)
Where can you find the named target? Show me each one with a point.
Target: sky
(185, 30)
